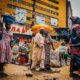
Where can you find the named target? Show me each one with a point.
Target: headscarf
(75, 20)
(75, 32)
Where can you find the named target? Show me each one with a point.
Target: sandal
(77, 73)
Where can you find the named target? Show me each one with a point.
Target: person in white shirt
(37, 49)
(62, 52)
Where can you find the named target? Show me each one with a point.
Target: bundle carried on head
(8, 19)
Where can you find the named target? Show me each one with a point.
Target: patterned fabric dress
(47, 47)
(5, 49)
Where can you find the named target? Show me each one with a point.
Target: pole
(33, 12)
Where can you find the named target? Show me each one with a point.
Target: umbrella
(36, 28)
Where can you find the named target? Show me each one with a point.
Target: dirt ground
(18, 72)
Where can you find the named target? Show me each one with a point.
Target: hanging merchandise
(21, 41)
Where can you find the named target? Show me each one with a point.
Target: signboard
(20, 15)
(54, 21)
(19, 29)
(40, 20)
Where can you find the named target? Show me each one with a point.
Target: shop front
(21, 32)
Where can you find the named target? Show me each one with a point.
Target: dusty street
(17, 72)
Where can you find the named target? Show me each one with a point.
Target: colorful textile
(75, 40)
(47, 54)
(47, 47)
(75, 44)
(77, 60)
(5, 49)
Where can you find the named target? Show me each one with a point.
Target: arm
(11, 36)
(52, 47)
(4, 29)
(39, 40)
(4, 26)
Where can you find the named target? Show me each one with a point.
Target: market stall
(21, 32)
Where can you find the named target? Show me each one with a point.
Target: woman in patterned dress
(7, 36)
(47, 46)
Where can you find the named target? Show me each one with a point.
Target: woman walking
(6, 37)
(47, 46)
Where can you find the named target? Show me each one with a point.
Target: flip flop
(76, 73)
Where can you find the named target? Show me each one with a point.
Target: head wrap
(75, 20)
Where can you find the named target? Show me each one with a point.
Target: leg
(1, 67)
(60, 58)
(66, 61)
(34, 63)
(2, 74)
(72, 65)
(30, 61)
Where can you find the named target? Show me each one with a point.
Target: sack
(54, 59)
(55, 63)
